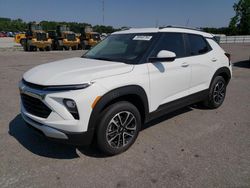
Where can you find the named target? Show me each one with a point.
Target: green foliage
(104, 29)
(240, 23)
(7, 24)
(222, 30)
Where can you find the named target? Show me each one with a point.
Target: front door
(169, 80)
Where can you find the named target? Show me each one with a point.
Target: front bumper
(71, 43)
(41, 44)
(60, 124)
(72, 138)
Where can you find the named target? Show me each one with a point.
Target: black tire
(217, 93)
(81, 46)
(88, 47)
(25, 46)
(48, 48)
(29, 48)
(59, 47)
(22, 42)
(113, 137)
(34, 48)
(66, 48)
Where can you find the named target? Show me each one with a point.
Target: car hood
(74, 71)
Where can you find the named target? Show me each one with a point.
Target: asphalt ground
(192, 147)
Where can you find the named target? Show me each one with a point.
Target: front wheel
(217, 93)
(119, 127)
(48, 48)
(74, 48)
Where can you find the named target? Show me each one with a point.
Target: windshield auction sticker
(142, 37)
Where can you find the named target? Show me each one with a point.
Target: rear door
(201, 60)
(169, 80)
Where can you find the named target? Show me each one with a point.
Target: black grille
(71, 37)
(34, 106)
(41, 36)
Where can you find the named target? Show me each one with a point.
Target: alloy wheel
(121, 129)
(219, 92)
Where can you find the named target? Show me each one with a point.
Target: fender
(114, 95)
(220, 71)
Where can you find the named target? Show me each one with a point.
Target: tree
(241, 21)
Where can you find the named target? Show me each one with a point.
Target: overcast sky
(133, 13)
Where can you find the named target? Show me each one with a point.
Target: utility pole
(187, 23)
(157, 22)
(102, 12)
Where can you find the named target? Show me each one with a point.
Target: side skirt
(177, 104)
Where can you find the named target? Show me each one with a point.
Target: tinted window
(127, 48)
(172, 42)
(198, 45)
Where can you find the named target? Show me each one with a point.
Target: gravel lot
(191, 147)
(7, 43)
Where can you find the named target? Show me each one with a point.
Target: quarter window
(198, 45)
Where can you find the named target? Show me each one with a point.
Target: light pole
(102, 12)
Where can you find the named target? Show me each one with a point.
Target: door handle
(184, 64)
(214, 60)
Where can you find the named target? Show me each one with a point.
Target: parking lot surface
(192, 147)
(8, 42)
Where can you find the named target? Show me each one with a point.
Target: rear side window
(197, 45)
(172, 42)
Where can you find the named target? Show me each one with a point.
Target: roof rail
(180, 27)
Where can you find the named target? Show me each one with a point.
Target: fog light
(70, 104)
(72, 108)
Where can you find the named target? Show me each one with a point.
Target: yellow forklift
(63, 38)
(88, 38)
(20, 38)
(36, 38)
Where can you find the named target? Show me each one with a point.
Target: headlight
(67, 87)
(57, 87)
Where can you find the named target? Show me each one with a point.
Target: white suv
(126, 80)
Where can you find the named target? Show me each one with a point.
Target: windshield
(36, 27)
(127, 48)
(64, 28)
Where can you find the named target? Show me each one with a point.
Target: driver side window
(172, 42)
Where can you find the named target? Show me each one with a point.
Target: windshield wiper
(102, 58)
(106, 59)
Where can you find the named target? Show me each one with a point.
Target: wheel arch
(133, 93)
(224, 72)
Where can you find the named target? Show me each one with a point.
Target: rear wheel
(119, 127)
(217, 93)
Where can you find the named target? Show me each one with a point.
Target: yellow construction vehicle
(63, 38)
(36, 38)
(20, 38)
(88, 38)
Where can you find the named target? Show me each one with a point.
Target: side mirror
(162, 56)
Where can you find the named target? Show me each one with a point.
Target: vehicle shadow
(166, 117)
(242, 64)
(39, 145)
